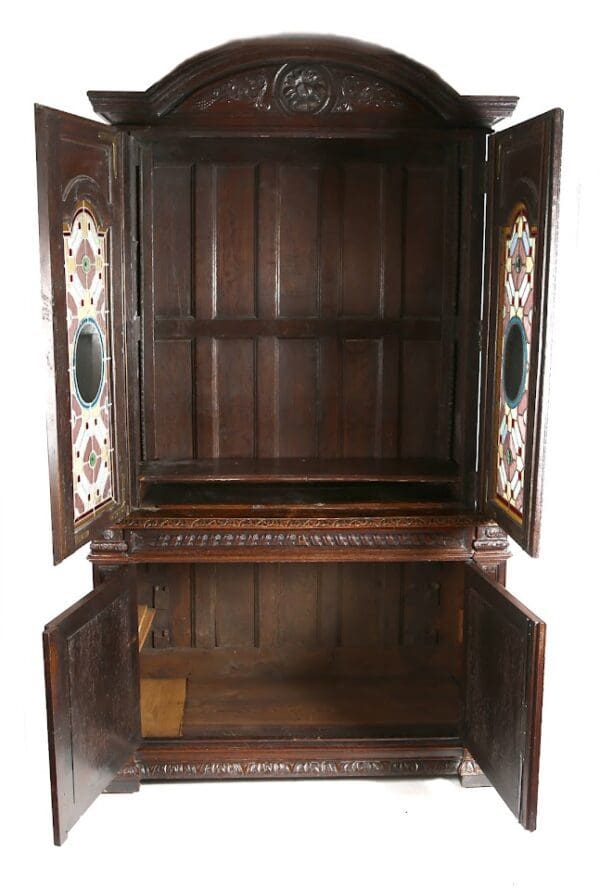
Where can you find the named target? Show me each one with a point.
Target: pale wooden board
(145, 617)
(161, 702)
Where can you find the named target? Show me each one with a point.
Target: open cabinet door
(524, 166)
(81, 233)
(504, 651)
(92, 696)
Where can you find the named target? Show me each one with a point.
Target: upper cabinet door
(93, 696)
(81, 231)
(524, 166)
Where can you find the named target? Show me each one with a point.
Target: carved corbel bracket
(470, 774)
(112, 542)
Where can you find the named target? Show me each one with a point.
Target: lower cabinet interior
(307, 651)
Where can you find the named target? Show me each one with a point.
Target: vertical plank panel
(331, 240)
(361, 397)
(205, 239)
(234, 605)
(361, 262)
(361, 597)
(268, 584)
(420, 400)
(298, 601)
(298, 204)
(328, 616)
(236, 235)
(422, 595)
(267, 389)
(297, 401)
(392, 604)
(207, 444)
(205, 587)
(329, 407)
(172, 235)
(173, 405)
(235, 403)
(424, 227)
(392, 238)
(267, 248)
(390, 395)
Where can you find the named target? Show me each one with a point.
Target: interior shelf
(298, 470)
(263, 482)
(302, 707)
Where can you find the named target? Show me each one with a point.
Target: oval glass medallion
(88, 362)
(514, 362)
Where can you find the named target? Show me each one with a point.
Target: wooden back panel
(302, 619)
(302, 300)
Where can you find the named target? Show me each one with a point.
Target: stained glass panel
(86, 276)
(517, 304)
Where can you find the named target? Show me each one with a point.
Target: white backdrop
(347, 832)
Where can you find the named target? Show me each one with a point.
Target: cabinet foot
(123, 784)
(470, 774)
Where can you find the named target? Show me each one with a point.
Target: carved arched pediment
(300, 81)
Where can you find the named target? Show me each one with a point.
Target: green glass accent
(509, 456)
(86, 264)
(92, 459)
(518, 264)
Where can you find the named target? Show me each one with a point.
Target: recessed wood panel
(425, 231)
(421, 411)
(234, 398)
(361, 256)
(306, 611)
(235, 606)
(297, 605)
(361, 605)
(173, 237)
(174, 407)
(361, 397)
(287, 250)
(299, 234)
(297, 393)
(205, 239)
(235, 250)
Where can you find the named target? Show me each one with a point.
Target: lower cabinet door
(504, 660)
(92, 696)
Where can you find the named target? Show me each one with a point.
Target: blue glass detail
(88, 362)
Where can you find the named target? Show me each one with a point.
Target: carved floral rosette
(301, 88)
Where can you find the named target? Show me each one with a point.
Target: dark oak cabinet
(297, 295)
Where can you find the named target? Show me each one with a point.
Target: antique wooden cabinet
(297, 296)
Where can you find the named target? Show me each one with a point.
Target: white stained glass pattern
(86, 277)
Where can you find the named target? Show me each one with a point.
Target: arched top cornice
(375, 77)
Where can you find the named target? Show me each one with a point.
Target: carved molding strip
(333, 540)
(375, 523)
(303, 768)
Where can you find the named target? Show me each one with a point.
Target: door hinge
(483, 184)
(479, 335)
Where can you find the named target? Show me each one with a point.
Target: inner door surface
(81, 231)
(92, 696)
(504, 666)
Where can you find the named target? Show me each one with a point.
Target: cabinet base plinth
(223, 760)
